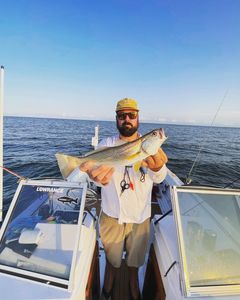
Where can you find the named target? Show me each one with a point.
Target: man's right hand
(100, 174)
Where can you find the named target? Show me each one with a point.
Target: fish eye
(154, 133)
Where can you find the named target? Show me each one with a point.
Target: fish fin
(134, 156)
(67, 163)
(137, 166)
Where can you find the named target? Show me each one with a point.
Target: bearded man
(126, 201)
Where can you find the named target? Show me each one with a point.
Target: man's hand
(155, 162)
(100, 174)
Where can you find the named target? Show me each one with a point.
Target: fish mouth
(162, 133)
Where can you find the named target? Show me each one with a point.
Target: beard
(127, 129)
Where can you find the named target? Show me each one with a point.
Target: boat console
(47, 242)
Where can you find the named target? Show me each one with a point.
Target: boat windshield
(39, 234)
(208, 222)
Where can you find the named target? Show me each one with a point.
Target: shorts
(129, 236)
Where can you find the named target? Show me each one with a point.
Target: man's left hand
(155, 162)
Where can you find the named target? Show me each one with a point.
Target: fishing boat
(50, 246)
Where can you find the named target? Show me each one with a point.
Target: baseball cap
(127, 103)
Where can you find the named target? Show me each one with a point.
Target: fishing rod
(188, 178)
(11, 172)
(1, 138)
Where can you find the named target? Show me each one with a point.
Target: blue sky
(75, 59)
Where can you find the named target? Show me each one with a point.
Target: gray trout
(130, 153)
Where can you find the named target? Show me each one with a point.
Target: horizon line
(112, 120)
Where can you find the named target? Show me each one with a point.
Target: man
(126, 201)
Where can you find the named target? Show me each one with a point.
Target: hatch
(208, 227)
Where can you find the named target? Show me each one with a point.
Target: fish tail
(67, 163)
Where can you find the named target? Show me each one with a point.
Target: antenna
(1, 138)
(95, 138)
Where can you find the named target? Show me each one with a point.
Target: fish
(66, 199)
(129, 153)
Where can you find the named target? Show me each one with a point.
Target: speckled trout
(130, 153)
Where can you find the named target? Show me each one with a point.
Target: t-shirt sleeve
(159, 176)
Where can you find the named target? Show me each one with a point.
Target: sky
(179, 59)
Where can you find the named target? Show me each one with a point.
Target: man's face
(127, 122)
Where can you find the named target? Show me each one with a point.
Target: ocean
(30, 145)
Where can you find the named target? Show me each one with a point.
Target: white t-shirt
(130, 206)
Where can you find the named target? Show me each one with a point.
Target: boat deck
(153, 287)
(121, 286)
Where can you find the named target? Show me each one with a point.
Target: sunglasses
(132, 115)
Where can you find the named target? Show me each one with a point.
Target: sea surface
(30, 145)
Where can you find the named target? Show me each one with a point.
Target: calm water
(31, 143)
